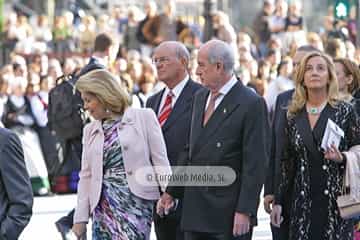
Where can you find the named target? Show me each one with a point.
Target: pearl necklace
(315, 110)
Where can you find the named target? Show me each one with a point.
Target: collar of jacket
(127, 119)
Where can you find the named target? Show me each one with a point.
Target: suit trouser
(216, 236)
(168, 227)
(280, 233)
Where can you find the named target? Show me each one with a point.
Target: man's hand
(159, 208)
(165, 203)
(268, 202)
(241, 224)
(275, 216)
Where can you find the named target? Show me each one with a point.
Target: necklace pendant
(313, 110)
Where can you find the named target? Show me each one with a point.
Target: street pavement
(48, 209)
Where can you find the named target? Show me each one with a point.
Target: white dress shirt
(223, 91)
(176, 93)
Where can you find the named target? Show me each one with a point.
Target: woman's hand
(79, 229)
(333, 153)
(275, 216)
(268, 202)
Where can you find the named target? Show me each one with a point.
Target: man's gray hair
(221, 52)
(179, 48)
(181, 51)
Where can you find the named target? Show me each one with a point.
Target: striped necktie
(166, 109)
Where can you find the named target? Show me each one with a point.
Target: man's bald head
(176, 48)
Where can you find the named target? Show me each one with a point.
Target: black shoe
(63, 227)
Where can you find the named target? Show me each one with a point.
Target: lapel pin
(224, 111)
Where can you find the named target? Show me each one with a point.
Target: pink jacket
(141, 139)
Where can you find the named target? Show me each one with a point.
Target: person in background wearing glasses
(173, 108)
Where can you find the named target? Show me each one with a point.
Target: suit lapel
(197, 118)
(223, 111)
(227, 106)
(180, 106)
(303, 125)
(157, 101)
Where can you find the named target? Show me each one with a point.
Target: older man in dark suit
(173, 108)
(229, 128)
(16, 197)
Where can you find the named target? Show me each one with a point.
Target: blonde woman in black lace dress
(311, 178)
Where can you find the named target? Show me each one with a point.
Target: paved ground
(48, 209)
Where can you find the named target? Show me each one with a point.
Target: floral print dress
(119, 215)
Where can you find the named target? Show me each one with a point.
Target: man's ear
(184, 62)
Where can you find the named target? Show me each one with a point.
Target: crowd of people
(160, 62)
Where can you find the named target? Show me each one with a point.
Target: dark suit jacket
(16, 197)
(176, 129)
(237, 135)
(277, 141)
(277, 138)
(91, 65)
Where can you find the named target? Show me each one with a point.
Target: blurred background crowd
(39, 47)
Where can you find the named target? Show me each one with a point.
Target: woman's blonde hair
(300, 95)
(107, 88)
(350, 68)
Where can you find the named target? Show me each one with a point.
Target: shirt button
(129, 172)
(125, 148)
(218, 144)
(324, 167)
(326, 192)
(302, 193)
